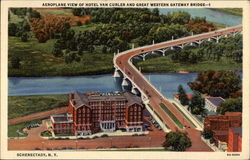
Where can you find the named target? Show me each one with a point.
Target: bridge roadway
(123, 63)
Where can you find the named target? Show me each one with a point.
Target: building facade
(95, 112)
(220, 124)
(212, 103)
(62, 123)
(235, 139)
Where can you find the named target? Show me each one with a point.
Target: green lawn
(13, 128)
(37, 60)
(184, 115)
(25, 105)
(172, 116)
(59, 12)
(85, 27)
(165, 64)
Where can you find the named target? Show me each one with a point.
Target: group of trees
(230, 105)
(20, 29)
(196, 105)
(67, 45)
(177, 141)
(48, 27)
(199, 25)
(223, 84)
(230, 47)
(23, 12)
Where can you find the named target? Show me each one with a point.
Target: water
(166, 83)
(104, 83)
(211, 15)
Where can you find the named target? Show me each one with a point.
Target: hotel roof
(84, 99)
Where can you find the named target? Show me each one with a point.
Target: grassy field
(13, 128)
(37, 60)
(85, 27)
(172, 116)
(25, 105)
(165, 64)
(234, 11)
(59, 12)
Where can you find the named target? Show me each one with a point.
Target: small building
(62, 123)
(212, 103)
(235, 139)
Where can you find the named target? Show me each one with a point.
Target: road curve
(123, 63)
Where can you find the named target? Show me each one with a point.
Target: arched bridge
(150, 95)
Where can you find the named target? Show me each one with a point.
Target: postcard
(125, 79)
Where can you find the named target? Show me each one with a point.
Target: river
(211, 15)
(167, 83)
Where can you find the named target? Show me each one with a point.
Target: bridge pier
(135, 91)
(117, 73)
(125, 82)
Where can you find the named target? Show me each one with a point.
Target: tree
(15, 62)
(230, 105)
(177, 141)
(197, 105)
(182, 95)
(180, 17)
(24, 37)
(57, 49)
(12, 29)
(207, 134)
(34, 14)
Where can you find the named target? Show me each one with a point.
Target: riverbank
(233, 11)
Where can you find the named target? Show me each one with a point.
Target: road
(122, 61)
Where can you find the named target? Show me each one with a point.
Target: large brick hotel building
(94, 112)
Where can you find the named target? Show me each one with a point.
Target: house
(212, 103)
